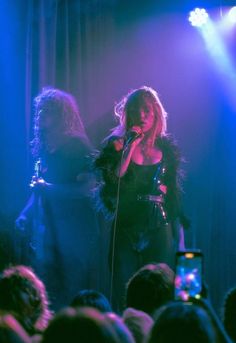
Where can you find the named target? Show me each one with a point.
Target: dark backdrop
(98, 50)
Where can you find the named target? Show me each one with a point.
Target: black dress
(145, 229)
(64, 230)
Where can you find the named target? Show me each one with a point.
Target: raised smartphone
(188, 275)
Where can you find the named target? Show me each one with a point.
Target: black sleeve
(173, 180)
(106, 163)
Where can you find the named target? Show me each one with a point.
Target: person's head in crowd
(139, 324)
(122, 331)
(229, 313)
(91, 298)
(56, 118)
(182, 322)
(82, 325)
(24, 295)
(150, 287)
(11, 331)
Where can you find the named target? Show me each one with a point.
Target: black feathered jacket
(107, 160)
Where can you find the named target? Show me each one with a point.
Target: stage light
(213, 32)
(232, 15)
(227, 21)
(198, 17)
(223, 60)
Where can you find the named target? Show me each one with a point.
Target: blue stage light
(198, 17)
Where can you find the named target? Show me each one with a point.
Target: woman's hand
(119, 144)
(135, 135)
(128, 144)
(163, 188)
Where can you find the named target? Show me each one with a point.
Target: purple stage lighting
(198, 17)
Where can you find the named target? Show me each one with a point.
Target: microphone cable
(115, 226)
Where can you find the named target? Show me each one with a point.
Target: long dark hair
(65, 107)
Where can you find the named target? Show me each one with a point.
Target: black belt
(151, 198)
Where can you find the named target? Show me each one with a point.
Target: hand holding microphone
(132, 138)
(132, 135)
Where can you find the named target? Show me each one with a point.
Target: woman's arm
(125, 161)
(26, 214)
(126, 157)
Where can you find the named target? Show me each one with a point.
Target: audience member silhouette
(139, 324)
(84, 325)
(182, 322)
(229, 313)
(150, 287)
(23, 295)
(91, 298)
(11, 331)
(122, 331)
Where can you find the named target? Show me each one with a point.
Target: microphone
(131, 136)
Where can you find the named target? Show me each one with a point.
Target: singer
(140, 188)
